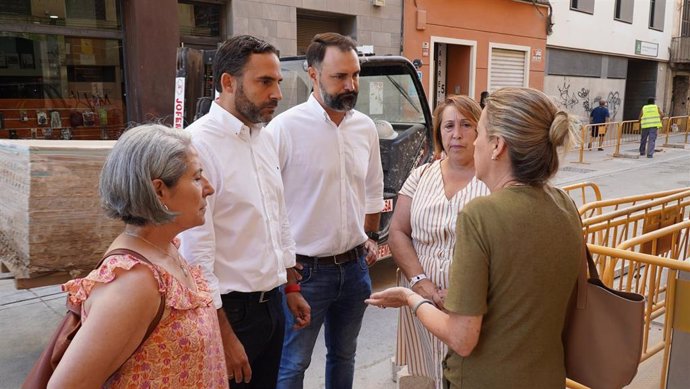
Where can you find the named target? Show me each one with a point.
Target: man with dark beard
(245, 247)
(331, 169)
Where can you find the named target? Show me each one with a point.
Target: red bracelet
(292, 288)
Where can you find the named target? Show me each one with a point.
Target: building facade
(466, 47)
(86, 69)
(616, 50)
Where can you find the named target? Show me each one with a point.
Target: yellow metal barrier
(627, 132)
(615, 134)
(653, 276)
(612, 228)
(570, 384)
(598, 207)
(582, 188)
(676, 125)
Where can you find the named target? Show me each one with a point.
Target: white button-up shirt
(332, 176)
(245, 243)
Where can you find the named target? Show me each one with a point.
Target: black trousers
(259, 322)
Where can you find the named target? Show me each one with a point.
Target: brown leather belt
(338, 259)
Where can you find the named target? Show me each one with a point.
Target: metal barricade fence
(612, 228)
(676, 129)
(616, 134)
(583, 188)
(648, 264)
(594, 208)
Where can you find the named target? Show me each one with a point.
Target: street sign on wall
(649, 49)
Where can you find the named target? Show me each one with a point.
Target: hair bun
(563, 128)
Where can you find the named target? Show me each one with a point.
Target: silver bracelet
(419, 304)
(414, 280)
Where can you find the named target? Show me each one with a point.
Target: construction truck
(390, 93)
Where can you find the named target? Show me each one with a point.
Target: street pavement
(28, 317)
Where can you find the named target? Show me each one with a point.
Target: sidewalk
(28, 317)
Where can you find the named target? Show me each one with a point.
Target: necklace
(178, 259)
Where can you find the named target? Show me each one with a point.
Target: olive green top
(516, 261)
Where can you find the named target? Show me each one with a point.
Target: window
(624, 11)
(586, 6)
(200, 23)
(100, 14)
(508, 66)
(657, 13)
(61, 87)
(199, 19)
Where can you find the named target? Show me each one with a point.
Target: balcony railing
(680, 49)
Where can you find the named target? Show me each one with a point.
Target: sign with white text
(178, 111)
(649, 49)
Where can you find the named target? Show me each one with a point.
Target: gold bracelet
(419, 304)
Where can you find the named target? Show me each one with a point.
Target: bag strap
(586, 263)
(161, 306)
(426, 166)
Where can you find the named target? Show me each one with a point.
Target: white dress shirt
(332, 176)
(245, 243)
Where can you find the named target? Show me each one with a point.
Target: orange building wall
(483, 21)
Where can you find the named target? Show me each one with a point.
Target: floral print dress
(185, 349)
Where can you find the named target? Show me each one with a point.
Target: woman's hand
(392, 297)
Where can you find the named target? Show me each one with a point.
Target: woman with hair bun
(517, 254)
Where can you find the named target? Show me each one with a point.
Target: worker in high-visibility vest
(650, 122)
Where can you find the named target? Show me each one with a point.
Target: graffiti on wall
(571, 100)
(567, 100)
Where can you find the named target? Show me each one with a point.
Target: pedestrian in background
(510, 280)
(422, 232)
(153, 181)
(482, 99)
(331, 168)
(245, 244)
(597, 118)
(650, 123)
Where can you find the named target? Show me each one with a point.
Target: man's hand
(372, 251)
(236, 361)
(427, 289)
(300, 309)
(294, 274)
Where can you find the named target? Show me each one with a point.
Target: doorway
(452, 69)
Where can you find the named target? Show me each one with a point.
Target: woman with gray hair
(516, 258)
(152, 181)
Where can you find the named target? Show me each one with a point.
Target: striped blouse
(432, 218)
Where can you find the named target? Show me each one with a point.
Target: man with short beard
(331, 169)
(245, 247)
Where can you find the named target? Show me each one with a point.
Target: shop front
(61, 69)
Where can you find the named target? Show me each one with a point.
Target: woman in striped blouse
(422, 234)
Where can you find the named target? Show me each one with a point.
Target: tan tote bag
(603, 332)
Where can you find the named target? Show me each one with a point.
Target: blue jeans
(336, 295)
(649, 140)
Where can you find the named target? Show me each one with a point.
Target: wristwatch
(373, 235)
(416, 279)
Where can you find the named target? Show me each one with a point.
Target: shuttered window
(307, 27)
(507, 69)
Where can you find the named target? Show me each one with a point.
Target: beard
(252, 112)
(342, 102)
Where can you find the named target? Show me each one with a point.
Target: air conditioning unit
(378, 3)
